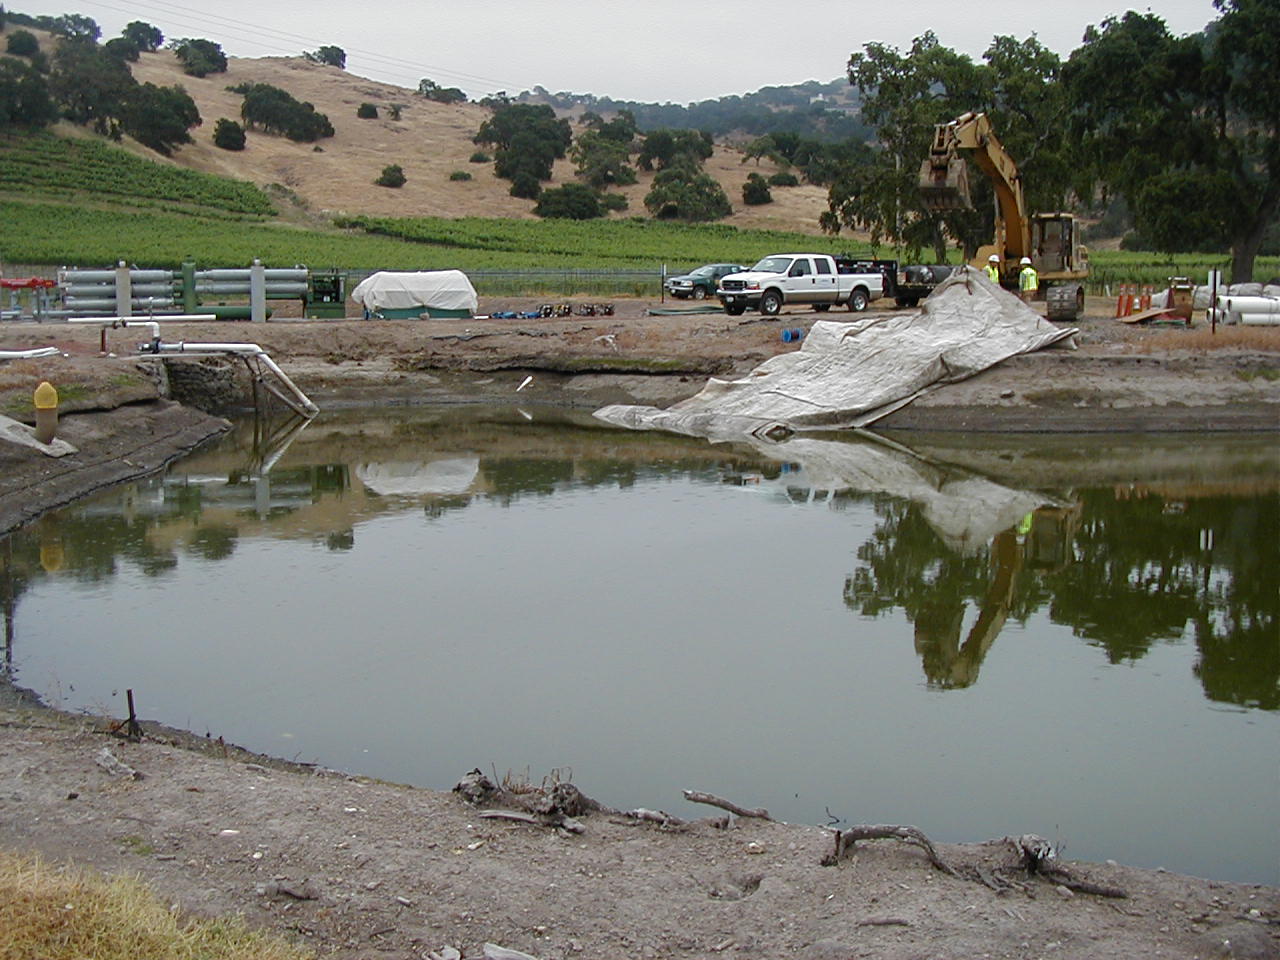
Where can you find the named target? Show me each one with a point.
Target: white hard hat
(993, 259)
(1026, 260)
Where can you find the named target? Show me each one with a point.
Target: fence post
(257, 292)
(124, 290)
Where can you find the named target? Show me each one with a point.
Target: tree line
(1184, 130)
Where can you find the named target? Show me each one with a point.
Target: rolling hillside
(429, 142)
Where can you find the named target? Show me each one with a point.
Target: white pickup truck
(812, 279)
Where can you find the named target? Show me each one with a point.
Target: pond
(980, 636)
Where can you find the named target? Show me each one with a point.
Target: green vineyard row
(46, 164)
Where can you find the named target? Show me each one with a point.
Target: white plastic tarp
(442, 289)
(851, 374)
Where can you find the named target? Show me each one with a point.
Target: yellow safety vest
(993, 272)
(1028, 279)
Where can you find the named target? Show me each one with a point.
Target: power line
(274, 41)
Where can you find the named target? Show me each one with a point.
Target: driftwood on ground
(559, 804)
(845, 840)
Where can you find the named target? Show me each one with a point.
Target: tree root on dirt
(845, 840)
(558, 805)
(1037, 858)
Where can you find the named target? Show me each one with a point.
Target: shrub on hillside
(275, 111)
(228, 135)
(756, 191)
(459, 175)
(330, 56)
(199, 58)
(784, 180)
(367, 111)
(24, 96)
(480, 157)
(22, 43)
(526, 186)
(614, 202)
(573, 201)
(392, 176)
(143, 36)
(122, 49)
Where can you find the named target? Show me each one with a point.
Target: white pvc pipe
(135, 321)
(29, 354)
(244, 350)
(1249, 304)
(1247, 317)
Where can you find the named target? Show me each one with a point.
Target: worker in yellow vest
(1028, 280)
(992, 269)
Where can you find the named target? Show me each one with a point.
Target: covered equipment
(435, 293)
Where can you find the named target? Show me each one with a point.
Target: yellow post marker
(46, 404)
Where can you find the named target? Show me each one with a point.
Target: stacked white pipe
(1251, 311)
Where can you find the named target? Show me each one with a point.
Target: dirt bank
(364, 869)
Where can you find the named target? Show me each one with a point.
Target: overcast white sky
(646, 50)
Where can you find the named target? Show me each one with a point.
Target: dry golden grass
(1204, 339)
(65, 913)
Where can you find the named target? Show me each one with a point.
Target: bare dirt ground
(363, 869)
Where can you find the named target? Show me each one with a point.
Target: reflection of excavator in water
(1050, 240)
(1043, 541)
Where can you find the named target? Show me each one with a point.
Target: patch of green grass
(1270, 374)
(135, 844)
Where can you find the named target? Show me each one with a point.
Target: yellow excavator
(1051, 240)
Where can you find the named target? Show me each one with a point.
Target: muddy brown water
(1075, 637)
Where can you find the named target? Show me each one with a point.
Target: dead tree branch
(694, 796)
(845, 840)
(1037, 857)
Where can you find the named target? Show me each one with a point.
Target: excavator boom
(1050, 240)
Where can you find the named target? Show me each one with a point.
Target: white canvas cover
(442, 289)
(851, 374)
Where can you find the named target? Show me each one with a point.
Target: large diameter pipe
(1246, 317)
(109, 276)
(88, 303)
(243, 275)
(277, 288)
(1249, 304)
(102, 289)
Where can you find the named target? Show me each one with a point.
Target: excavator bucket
(944, 184)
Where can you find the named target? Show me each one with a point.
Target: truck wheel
(771, 303)
(699, 293)
(858, 300)
(735, 309)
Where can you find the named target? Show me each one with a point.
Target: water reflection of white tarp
(966, 510)
(410, 478)
(850, 374)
